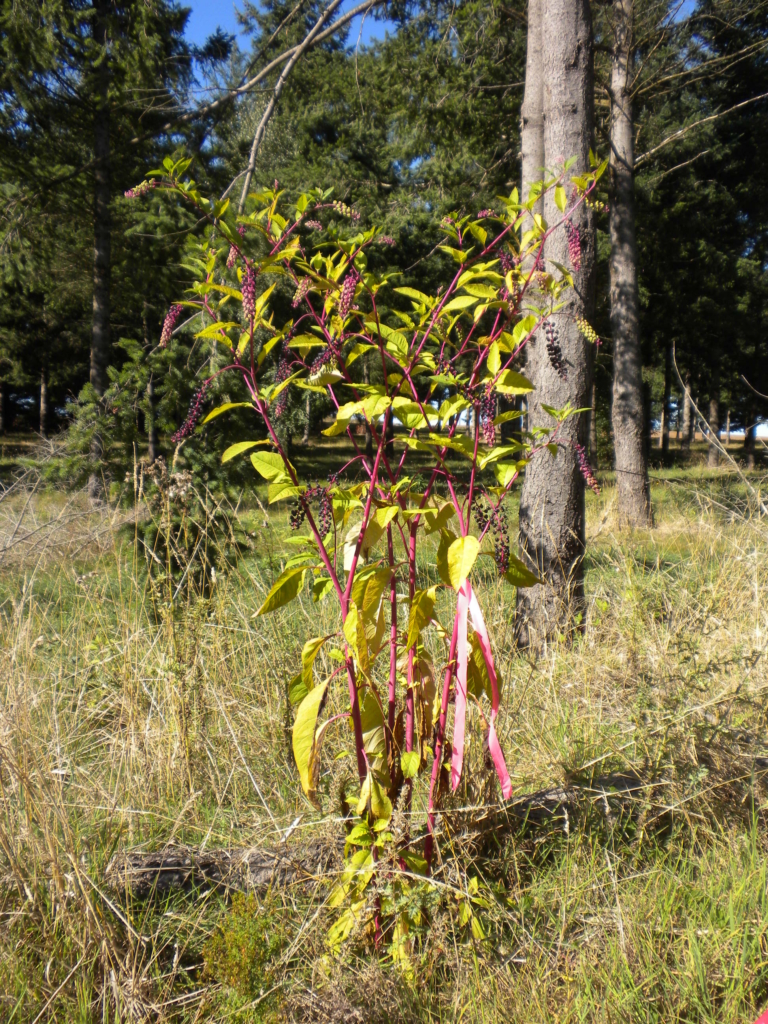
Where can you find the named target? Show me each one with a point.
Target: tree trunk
(3, 415)
(44, 401)
(749, 437)
(100, 338)
(633, 491)
(665, 410)
(685, 440)
(552, 499)
(728, 428)
(713, 455)
(593, 425)
(532, 112)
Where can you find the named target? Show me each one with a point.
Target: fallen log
(141, 875)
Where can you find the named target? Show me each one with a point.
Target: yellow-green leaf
(409, 762)
(285, 588)
(224, 408)
(304, 732)
(422, 607)
(239, 448)
(512, 383)
(519, 575)
(461, 556)
(269, 464)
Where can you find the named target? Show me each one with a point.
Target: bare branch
(270, 109)
(644, 157)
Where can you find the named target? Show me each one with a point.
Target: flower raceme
(439, 358)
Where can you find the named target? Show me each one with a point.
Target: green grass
(125, 726)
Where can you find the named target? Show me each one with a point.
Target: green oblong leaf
(285, 588)
(303, 738)
(461, 556)
(225, 408)
(239, 448)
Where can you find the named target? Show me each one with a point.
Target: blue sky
(208, 15)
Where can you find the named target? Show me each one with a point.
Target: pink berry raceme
(585, 469)
(231, 257)
(168, 325)
(348, 292)
(574, 244)
(249, 293)
(193, 416)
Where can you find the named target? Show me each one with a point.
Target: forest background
(424, 121)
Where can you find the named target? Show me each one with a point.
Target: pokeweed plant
(450, 353)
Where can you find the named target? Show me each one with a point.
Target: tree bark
(592, 448)
(665, 410)
(44, 401)
(552, 499)
(713, 455)
(749, 437)
(100, 336)
(728, 428)
(633, 490)
(532, 112)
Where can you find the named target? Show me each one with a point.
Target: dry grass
(127, 723)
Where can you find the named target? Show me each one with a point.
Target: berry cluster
(193, 416)
(348, 292)
(574, 244)
(241, 230)
(585, 469)
(484, 213)
(324, 519)
(301, 292)
(282, 373)
(554, 351)
(588, 331)
(385, 240)
(327, 358)
(168, 324)
(597, 205)
(140, 190)
(345, 211)
(495, 519)
(231, 257)
(487, 411)
(249, 293)
(313, 225)
(507, 262)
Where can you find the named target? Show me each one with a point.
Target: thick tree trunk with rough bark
(100, 336)
(592, 447)
(532, 112)
(633, 491)
(665, 411)
(552, 500)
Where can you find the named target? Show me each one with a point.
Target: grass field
(125, 724)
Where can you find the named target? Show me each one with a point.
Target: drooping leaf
(285, 588)
(409, 762)
(304, 726)
(269, 464)
(239, 448)
(519, 575)
(225, 408)
(422, 608)
(461, 556)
